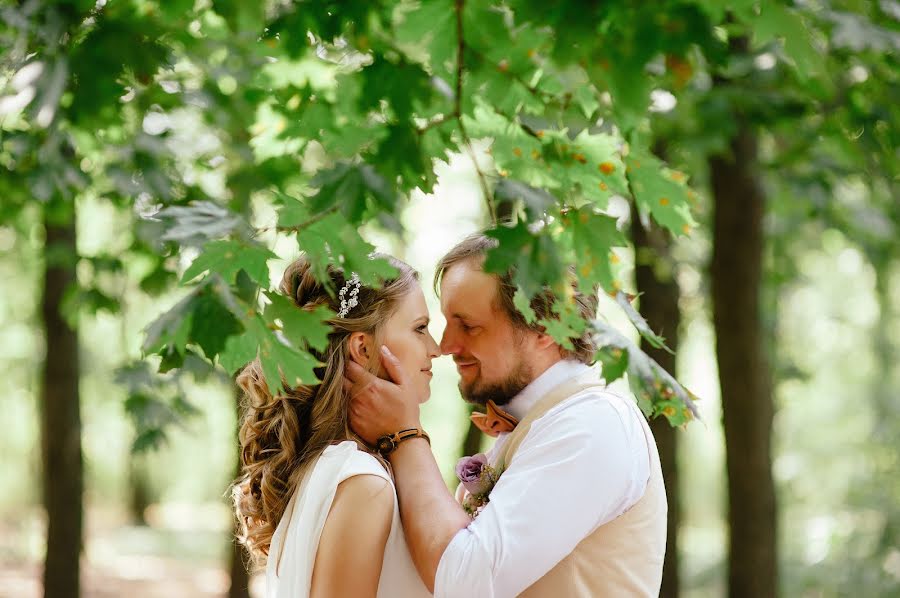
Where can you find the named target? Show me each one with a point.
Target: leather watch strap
(388, 443)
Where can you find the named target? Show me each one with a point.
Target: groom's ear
(544, 340)
(360, 349)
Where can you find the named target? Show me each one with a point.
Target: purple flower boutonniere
(478, 478)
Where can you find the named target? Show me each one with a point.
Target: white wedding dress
(292, 553)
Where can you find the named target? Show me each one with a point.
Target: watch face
(385, 444)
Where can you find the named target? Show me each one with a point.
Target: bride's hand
(379, 407)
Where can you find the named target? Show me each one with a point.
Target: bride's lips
(429, 372)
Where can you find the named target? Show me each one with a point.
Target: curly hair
(283, 433)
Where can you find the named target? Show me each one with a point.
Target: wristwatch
(386, 444)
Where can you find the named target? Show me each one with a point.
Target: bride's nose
(433, 349)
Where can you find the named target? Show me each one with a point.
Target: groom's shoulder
(595, 392)
(595, 403)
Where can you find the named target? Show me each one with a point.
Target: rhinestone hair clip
(349, 303)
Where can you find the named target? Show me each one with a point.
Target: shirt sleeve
(576, 469)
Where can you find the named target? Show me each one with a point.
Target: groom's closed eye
(470, 328)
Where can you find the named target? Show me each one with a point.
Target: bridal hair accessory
(349, 303)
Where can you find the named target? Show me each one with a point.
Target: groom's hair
(475, 248)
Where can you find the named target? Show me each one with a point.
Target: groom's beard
(501, 391)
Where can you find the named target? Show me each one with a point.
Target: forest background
(728, 169)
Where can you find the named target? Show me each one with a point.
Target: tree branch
(457, 110)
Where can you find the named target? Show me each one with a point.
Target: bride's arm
(351, 549)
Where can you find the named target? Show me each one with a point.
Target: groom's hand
(379, 407)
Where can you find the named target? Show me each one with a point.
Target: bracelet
(388, 443)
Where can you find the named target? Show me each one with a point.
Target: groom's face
(490, 353)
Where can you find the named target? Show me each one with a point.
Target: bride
(315, 505)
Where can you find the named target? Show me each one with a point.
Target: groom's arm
(431, 516)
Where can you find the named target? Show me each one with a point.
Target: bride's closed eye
(422, 328)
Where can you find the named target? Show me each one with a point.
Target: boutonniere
(478, 478)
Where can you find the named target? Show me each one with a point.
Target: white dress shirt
(582, 464)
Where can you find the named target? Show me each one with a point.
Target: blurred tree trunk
(655, 279)
(140, 495)
(744, 374)
(240, 576)
(886, 426)
(60, 416)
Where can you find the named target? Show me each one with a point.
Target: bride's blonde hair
(280, 434)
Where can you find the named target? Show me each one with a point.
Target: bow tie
(495, 421)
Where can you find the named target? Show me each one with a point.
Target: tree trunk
(61, 419)
(240, 576)
(140, 496)
(655, 278)
(744, 376)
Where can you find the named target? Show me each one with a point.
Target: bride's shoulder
(355, 460)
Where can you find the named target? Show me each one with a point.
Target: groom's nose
(449, 345)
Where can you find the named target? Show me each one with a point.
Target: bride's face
(406, 335)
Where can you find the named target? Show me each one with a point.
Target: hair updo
(283, 433)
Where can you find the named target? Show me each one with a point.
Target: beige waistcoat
(623, 557)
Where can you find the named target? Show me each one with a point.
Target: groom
(580, 508)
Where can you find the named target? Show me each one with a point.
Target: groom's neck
(542, 364)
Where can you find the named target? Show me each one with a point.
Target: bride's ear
(360, 348)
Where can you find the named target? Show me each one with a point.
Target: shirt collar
(556, 374)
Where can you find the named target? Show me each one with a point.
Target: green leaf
(650, 383)
(614, 363)
(299, 325)
(567, 323)
(149, 439)
(158, 280)
(226, 258)
(281, 363)
(594, 163)
(776, 21)
(212, 324)
(640, 323)
(517, 155)
(537, 201)
(198, 222)
(523, 304)
(333, 240)
(593, 238)
(173, 327)
(346, 187)
(674, 411)
(534, 258)
(292, 212)
(404, 85)
(660, 192)
(429, 30)
(239, 350)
